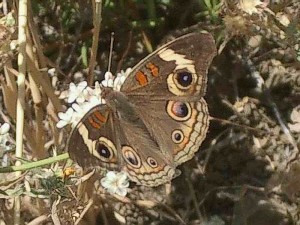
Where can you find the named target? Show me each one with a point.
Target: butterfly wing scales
(83, 143)
(190, 54)
(178, 140)
(193, 53)
(139, 150)
(100, 127)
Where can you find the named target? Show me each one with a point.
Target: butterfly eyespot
(184, 79)
(180, 111)
(182, 82)
(131, 157)
(152, 162)
(104, 150)
(177, 136)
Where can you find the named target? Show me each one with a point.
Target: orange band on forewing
(153, 69)
(141, 78)
(93, 123)
(100, 117)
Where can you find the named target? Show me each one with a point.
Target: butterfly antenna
(112, 37)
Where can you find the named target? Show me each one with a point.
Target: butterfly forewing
(177, 69)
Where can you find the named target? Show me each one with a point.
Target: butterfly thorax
(118, 102)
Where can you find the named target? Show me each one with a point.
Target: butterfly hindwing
(102, 140)
(92, 141)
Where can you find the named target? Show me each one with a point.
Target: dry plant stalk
(22, 19)
(97, 17)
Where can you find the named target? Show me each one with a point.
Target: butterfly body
(118, 102)
(157, 121)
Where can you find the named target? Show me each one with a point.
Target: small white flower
(97, 89)
(52, 72)
(93, 101)
(64, 95)
(65, 118)
(94, 96)
(140, 48)
(125, 73)
(108, 80)
(77, 92)
(4, 128)
(120, 78)
(87, 106)
(79, 112)
(116, 183)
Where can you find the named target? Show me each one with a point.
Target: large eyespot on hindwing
(104, 150)
(179, 111)
(131, 157)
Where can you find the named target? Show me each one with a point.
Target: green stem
(32, 165)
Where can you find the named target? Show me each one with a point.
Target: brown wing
(144, 161)
(167, 89)
(102, 140)
(177, 69)
(93, 142)
(179, 128)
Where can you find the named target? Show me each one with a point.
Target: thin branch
(87, 207)
(97, 23)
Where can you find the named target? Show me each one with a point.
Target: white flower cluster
(83, 98)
